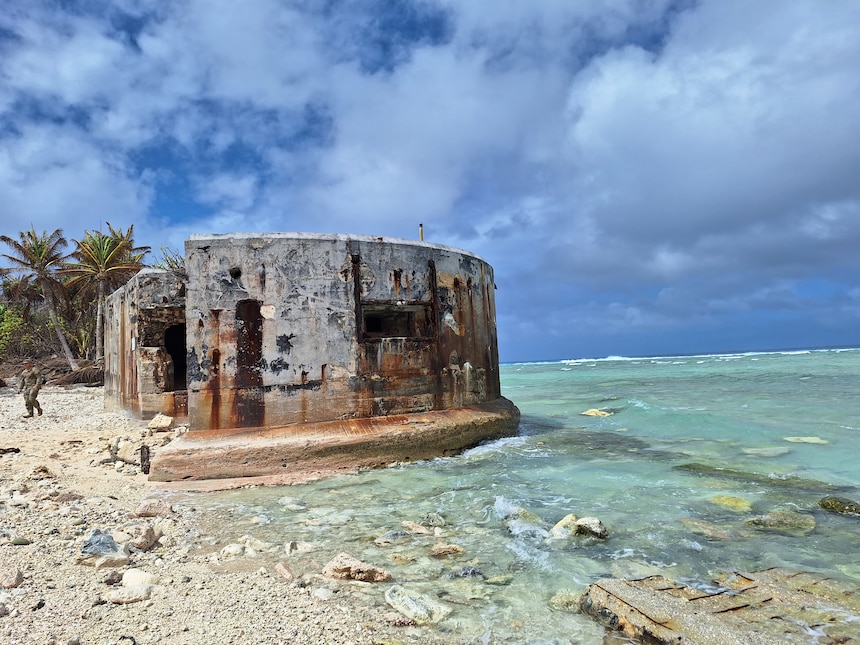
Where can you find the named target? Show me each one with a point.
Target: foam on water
(653, 471)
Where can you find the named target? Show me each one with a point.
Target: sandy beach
(71, 471)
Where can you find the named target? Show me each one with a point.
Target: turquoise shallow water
(778, 430)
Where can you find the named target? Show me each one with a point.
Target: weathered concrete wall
(145, 345)
(296, 355)
(301, 328)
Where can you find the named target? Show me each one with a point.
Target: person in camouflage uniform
(31, 383)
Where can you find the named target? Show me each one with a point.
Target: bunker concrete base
(291, 454)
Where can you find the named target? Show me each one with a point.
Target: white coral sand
(58, 482)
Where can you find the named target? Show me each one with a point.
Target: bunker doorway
(174, 343)
(249, 402)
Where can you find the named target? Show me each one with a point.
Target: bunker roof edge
(338, 237)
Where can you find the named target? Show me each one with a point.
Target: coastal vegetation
(52, 293)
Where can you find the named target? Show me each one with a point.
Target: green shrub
(11, 325)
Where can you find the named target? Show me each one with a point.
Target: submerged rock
(774, 451)
(776, 481)
(292, 504)
(784, 522)
(738, 504)
(413, 605)
(444, 549)
(466, 572)
(391, 537)
(566, 600)
(840, 505)
(815, 440)
(708, 529)
(500, 580)
(415, 528)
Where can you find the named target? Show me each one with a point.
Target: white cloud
(700, 149)
(54, 177)
(234, 191)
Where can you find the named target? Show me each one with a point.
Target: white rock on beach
(160, 423)
(138, 578)
(10, 579)
(128, 595)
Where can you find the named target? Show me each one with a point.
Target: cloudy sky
(647, 177)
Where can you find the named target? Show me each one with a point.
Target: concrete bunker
(145, 350)
(296, 354)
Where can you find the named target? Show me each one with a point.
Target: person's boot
(26, 416)
(39, 411)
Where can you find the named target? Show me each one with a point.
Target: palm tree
(103, 263)
(37, 257)
(23, 293)
(135, 253)
(173, 261)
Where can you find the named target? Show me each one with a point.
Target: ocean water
(778, 431)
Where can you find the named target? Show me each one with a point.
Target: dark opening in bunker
(174, 343)
(249, 357)
(396, 321)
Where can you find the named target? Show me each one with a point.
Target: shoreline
(65, 482)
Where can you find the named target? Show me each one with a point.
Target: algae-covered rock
(773, 451)
(501, 580)
(432, 519)
(775, 481)
(840, 505)
(737, 504)
(705, 528)
(784, 522)
(566, 600)
(591, 527)
(420, 608)
(813, 440)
